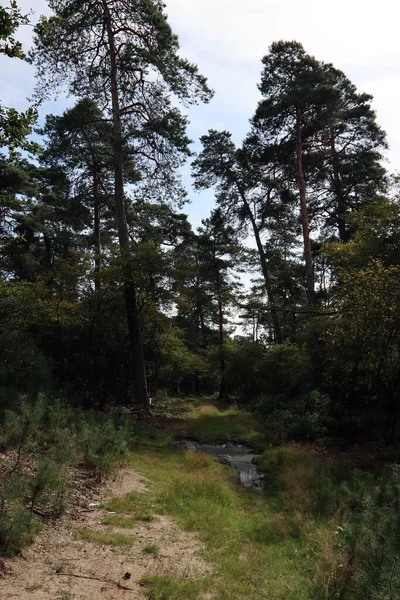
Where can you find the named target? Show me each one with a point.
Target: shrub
(51, 436)
(365, 548)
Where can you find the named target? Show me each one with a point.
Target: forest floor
(96, 553)
(179, 526)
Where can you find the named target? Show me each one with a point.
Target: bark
(221, 335)
(97, 370)
(301, 182)
(96, 231)
(265, 270)
(135, 337)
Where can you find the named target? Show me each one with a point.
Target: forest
(275, 323)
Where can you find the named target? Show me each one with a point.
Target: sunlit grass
(258, 546)
(167, 588)
(103, 538)
(204, 421)
(256, 550)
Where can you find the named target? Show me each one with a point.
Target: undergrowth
(323, 530)
(44, 439)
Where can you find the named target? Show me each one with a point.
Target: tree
(78, 142)
(244, 190)
(14, 125)
(219, 252)
(346, 160)
(319, 134)
(297, 100)
(126, 56)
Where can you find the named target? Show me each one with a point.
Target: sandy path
(58, 566)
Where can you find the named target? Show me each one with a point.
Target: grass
(101, 538)
(207, 422)
(153, 549)
(167, 588)
(135, 504)
(33, 587)
(255, 550)
(259, 545)
(126, 522)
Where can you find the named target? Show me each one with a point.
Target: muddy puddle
(240, 457)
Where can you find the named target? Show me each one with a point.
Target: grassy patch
(136, 504)
(126, 522)
(104, 538)
(153, 549)
(207, 422)
(33, 587)
(256, 550)
(144, 517)
(167, 588)
(119, 521)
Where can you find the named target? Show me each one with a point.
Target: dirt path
(62, 566)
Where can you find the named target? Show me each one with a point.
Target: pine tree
(244, 190)
(126, 56)
(14, 126)
(78, 142)
(219, 253)
(297, 99)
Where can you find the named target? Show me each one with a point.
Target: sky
(228, 38)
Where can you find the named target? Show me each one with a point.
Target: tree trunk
(301, 182)
(135, 337)
(340, 204)
(96, 232)
(221, 335)
(265, 270)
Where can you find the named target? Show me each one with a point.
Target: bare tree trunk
(301, 182)
(135, 337)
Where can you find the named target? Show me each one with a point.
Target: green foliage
(19, 354)
(366, 542)
(52, 437)
(10, 19)
(16, 523)
(15, 126)
(104, 443)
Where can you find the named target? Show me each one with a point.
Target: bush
(51, 436)
(365, 547)
(103, 444)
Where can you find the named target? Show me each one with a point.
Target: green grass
(273, 545)
(101, 538)
(255, 549)
(153, 549)
(135, 504)
(119, 521)
(167, 588)
(126, 522)
(33, 587)
(207, 422)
